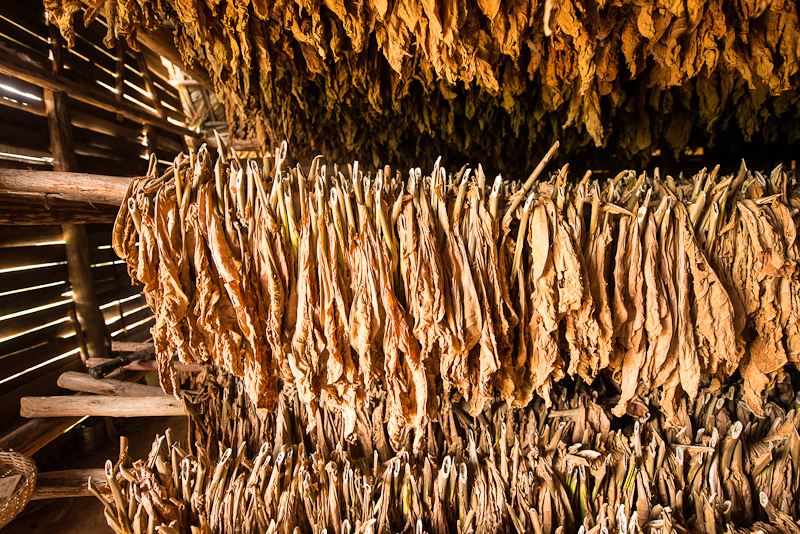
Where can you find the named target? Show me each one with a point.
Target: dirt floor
(84, 515)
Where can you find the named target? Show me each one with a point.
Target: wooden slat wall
(104, 143)
(124, 307)
(37, 335)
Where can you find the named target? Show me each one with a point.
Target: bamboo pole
(102, 406)
(106, 386)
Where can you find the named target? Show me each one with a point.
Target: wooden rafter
(12, 65)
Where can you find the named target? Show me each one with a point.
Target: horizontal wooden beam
(36, 433)
(150, 365)
(12, 65)
(243, 145)
(75, 186)
(106, 386)
(100, 406)
(129, 346)
(65, 484)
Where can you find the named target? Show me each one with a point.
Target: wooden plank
(23, 323)
(33, 298)
(20, 128)
(130, 319)
(106, 386)
(35, 255)
(94, 165)
(86, 304)
(142, 332)
(103, 255)
(115, 271)
(100, 406)
(26, 15)
(47, 368)
(152, 365)
(21, 236)
(14, 280)
(93, 151)
(19, 39)
(32, 156)
(97, 189)
(84, 121)
(102, 145)
(34, 108)
(118, 288)
(58, 330)
(126, 308)
(34, 210)
(98, 125)
(65, 484)
(12, 65)
(21, 361)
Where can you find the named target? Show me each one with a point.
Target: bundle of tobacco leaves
(571, 467)
(345, 286)
(498, 78)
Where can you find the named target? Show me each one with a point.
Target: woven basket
(13, 463)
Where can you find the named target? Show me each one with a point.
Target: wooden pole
(130, 346)
(59, 124)
(70, 483)
(162, 43)
(151, 365)
(93, 188)
(37, 433)
(141, 61)
(86, 306)
(104, 406)
(107, 386)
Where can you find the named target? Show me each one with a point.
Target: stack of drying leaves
(376, 77)
(344, 285)
(557, 470)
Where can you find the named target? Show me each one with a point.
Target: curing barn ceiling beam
(75, 186)
(162, 43)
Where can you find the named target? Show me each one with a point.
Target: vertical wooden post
(80, 276)
(90, 319)
(58, 120)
